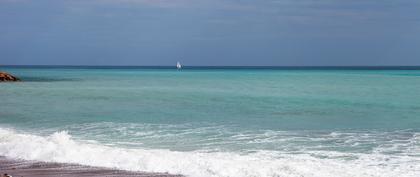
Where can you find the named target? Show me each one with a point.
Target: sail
(178, 65)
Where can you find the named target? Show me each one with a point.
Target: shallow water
(216, 122)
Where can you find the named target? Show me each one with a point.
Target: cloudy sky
(210, 32)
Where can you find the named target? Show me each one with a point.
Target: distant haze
(210, 32)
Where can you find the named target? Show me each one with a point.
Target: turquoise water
(216, 122)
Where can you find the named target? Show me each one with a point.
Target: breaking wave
(61, 147)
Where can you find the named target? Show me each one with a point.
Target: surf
(62, 147)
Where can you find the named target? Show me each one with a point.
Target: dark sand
(18, 168)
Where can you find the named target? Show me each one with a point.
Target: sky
(210, 32)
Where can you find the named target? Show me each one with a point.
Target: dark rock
(6, 77)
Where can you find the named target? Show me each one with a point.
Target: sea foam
(60, 147)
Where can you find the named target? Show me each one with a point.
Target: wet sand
(18, 168)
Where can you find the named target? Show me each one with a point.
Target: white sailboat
(178, 65)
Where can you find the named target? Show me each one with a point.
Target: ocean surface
(217, 122)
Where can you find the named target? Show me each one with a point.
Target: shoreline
(24, 168)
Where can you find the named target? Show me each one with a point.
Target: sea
(217, 121)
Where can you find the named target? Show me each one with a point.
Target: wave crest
(60, 147)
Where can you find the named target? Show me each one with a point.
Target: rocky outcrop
(6, 77)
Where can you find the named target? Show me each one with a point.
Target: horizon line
(215, 67)
(59, 65)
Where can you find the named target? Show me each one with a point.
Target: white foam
(59, 147)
